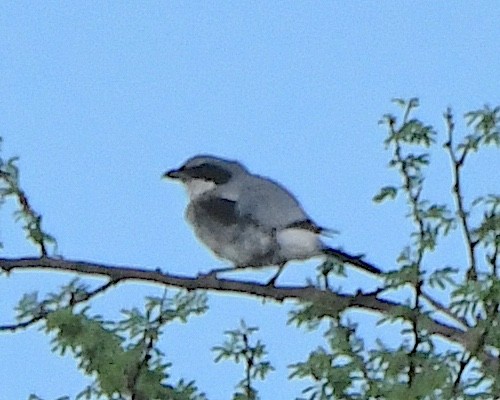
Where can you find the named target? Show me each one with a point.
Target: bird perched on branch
(248, 219)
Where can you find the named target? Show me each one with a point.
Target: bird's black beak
(173, 174)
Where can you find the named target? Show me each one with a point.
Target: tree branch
(457, 164)
(331, 303)
(43, 313)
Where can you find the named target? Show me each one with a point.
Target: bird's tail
(356, 261)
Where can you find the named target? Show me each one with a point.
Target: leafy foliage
(238, 348)
(123, 356)
(32, 221)
(415, 369)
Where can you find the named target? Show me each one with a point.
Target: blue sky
(100, 98)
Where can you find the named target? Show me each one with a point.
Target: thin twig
(30, 215)
(457, 164)
(466, 358)
(44, 313)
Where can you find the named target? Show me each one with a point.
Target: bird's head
(203, 173)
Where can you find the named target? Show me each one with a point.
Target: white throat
(197, 187)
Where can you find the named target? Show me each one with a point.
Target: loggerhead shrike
(248, 219)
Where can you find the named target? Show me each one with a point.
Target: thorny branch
(413, 190)
(457, 155)
(331, 303)
(457, 163)
(148, 340)
(33, 220)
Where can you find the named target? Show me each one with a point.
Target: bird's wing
(307, 225)
(269, 203)
(310, 225)
(273, 206)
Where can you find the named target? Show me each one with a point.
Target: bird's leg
(272, 281)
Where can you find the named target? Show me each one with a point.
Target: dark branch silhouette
(331, 303)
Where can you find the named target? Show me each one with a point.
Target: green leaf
(387, 192)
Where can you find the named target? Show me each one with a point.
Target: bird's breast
(242, 242)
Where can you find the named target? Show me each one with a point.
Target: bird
(251, 220)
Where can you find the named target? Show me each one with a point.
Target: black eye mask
(208, 172)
